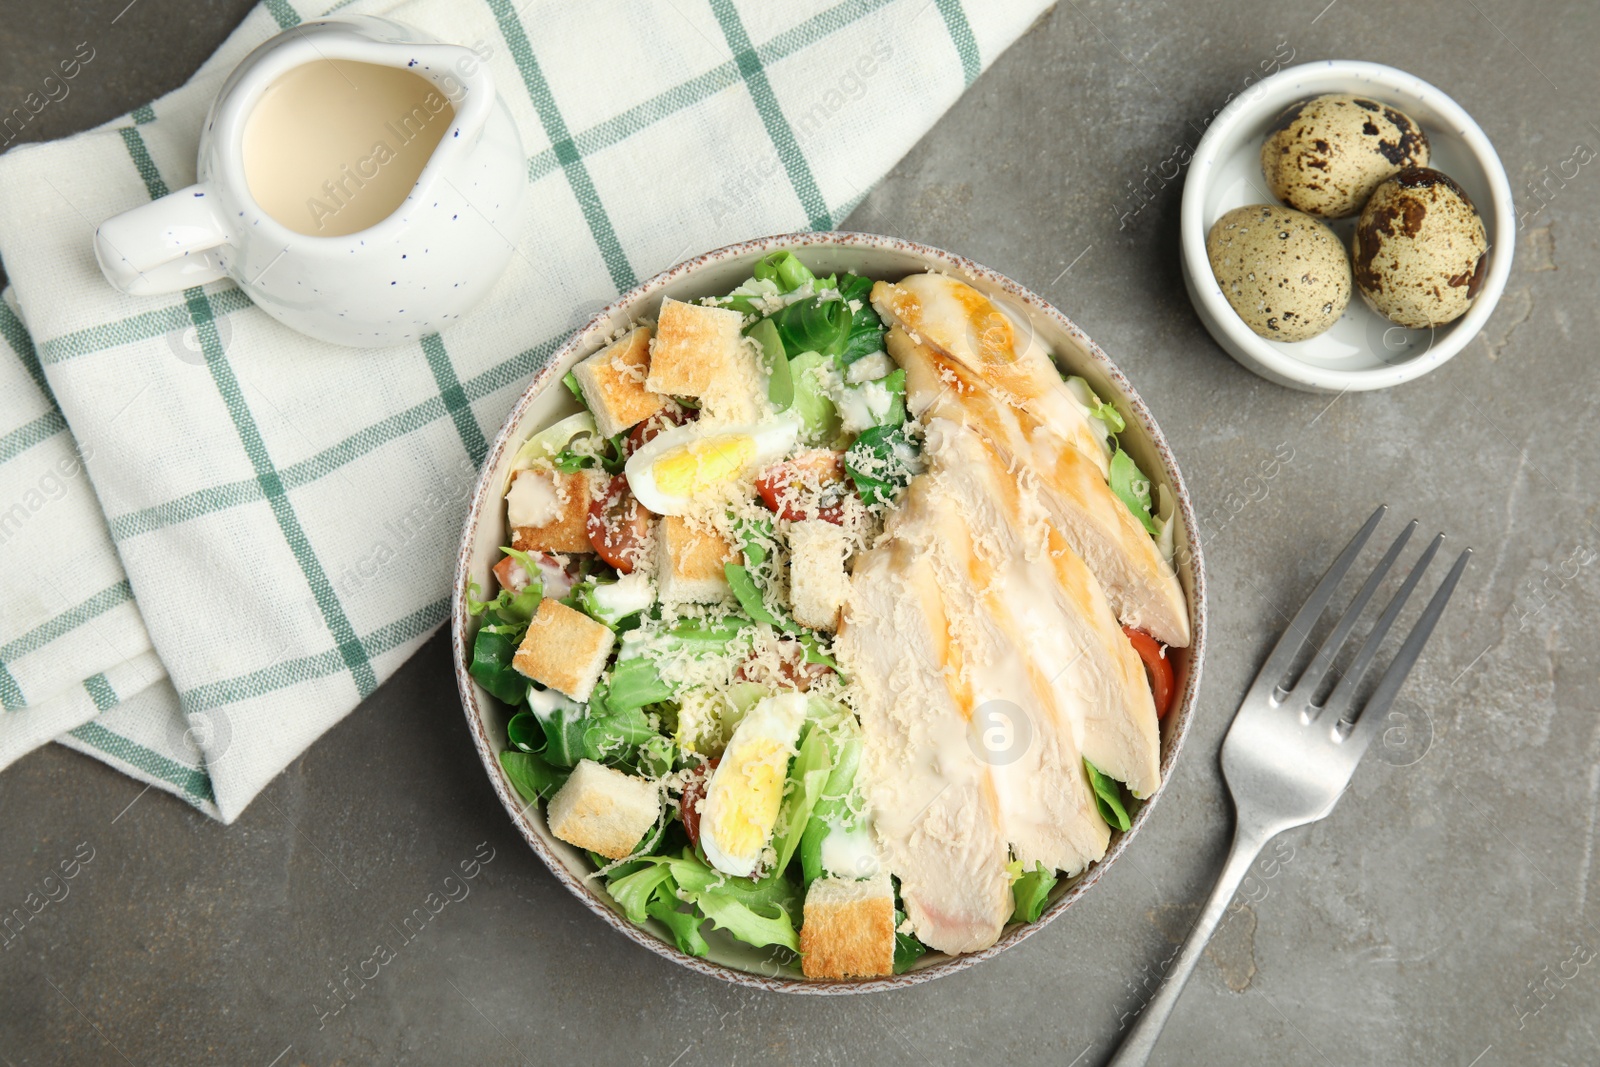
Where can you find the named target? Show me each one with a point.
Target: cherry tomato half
(617, 525)
(812, 478)
(792, 671)
(1156, 666)
(694, 794)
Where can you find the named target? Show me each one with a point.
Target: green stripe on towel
(555, 128)
(955, 20)
(255, 448)
(194, 782)
(455, 399)
(772, 117)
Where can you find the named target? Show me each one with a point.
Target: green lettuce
(532, 777)
(785, 269)
(808, 775)
(1031, 891)
(780, 383)
(492, 650)
(880, 463)
(1108, 798)
(836, 804)
(759, 913)
(1130, 486)
(685, 925)
(907, 949)
(866, 328)
(597, 732)
(818, 419)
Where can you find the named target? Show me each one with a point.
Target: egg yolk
(699, 465)
(751, 797)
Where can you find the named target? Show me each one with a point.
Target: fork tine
(1313, 675)
(1288, 646)
(1372, 715)
(1344, 693)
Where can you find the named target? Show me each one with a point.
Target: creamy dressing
(533, 500)
(335, 146)
(850, 852)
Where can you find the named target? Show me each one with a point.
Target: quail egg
(1324, 156)
(1419, 250)
(1284, 272)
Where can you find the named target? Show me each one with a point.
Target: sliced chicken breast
(967, 332)
(935, 811)
(1142, 589)
(1020, 732)
(1056, 611)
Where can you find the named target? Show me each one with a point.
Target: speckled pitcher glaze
(415, 272)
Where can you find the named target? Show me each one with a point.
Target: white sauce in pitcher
(334, 146)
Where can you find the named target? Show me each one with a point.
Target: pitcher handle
(164, 246)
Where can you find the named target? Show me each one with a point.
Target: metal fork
(1286, 758)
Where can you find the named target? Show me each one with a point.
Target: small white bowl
(1362, 350)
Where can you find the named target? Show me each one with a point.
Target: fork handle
(1141, 1040)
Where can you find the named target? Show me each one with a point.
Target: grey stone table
(1440, 916)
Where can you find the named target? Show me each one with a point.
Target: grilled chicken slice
(979, 349)
(989, 664)
(935, 811)
(1053, 607)
(962, 363)
(1021, 731)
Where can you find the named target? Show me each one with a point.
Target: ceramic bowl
(546, 400)
(1362, 350)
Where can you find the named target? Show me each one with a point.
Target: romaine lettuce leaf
(808, 774)
(531, 776)
(818, 419)
(1108, 798)
(880, 462)
(1131, 487)
(780, 385)
(492, 650)
(1031, 891)
(907, 949)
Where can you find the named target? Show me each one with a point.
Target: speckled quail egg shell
(1419, 250)
(1326, 155)
(1284, 273)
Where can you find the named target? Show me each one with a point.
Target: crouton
(602, 810)
(689, 562)
(549, 511)
(817, 581)
(694, 345)
(612, 381)
(848, 930)
(564, 649)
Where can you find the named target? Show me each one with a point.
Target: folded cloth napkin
(216, 535)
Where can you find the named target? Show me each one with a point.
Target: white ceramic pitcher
(427, 251)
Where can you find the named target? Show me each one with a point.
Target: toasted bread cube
(694, 345)
(612, 381)
(564, 649)
(817, 580)
(549, 511)
(848, 930)
(603, 810)
(689, 562)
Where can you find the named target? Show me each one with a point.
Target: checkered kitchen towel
(217, 536)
